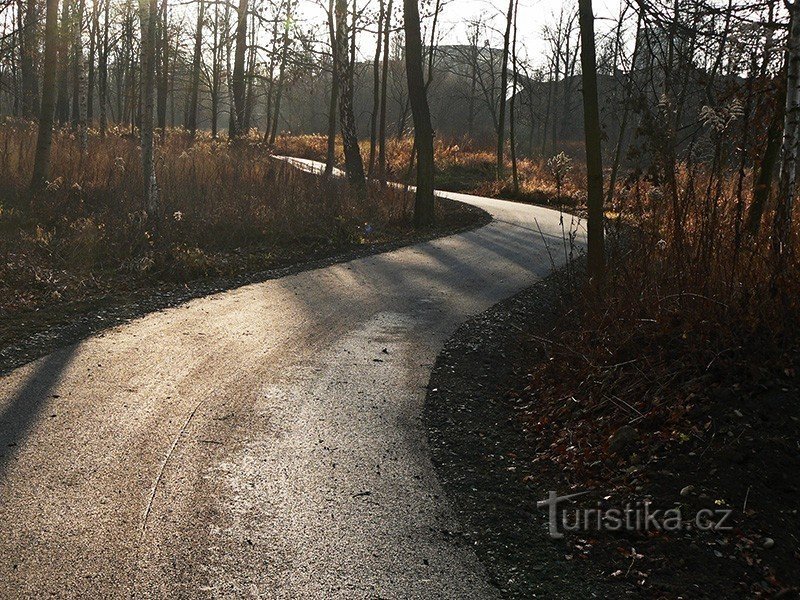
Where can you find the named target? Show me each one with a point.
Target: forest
(615, 184)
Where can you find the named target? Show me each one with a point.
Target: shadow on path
(20, 410)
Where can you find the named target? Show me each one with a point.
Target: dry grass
(462, 166)
(225, 209)
(685, 317)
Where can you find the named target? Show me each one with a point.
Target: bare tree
(29, 59)
(424, 215)
(594, 160)
(330, 159)
(238, 89)
(194, 83)
(791, 134)
(41, 165)
(384, 96)
(376, 81)
(501, 131)
(354, 164)
(148, 16)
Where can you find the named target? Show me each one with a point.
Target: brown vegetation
(461, 166)
(226, 210)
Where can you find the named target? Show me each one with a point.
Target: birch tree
(791, 133)
(148, 15)
(41, 165)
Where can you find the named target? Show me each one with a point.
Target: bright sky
(534, 15)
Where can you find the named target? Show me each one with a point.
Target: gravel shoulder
(481, 450)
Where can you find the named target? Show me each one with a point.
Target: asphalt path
(264, 442)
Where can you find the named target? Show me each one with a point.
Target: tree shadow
(22, 408)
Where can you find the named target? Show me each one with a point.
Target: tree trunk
(512, 108)
(163, 80)
(41, 165)
(238, 89)
(384, 96)
(148, 15)
(594, 161)
(501, 130)
(765, 170)
(330, 158)
(281, 72)
(791, 135)
(194, 84)
(424, 215)
(376, 91)
(94, 36)
(62, 103)
(352, 154)
(29, 60)
(103, 72)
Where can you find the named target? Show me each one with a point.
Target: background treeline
(702, 50)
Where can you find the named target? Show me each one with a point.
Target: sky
(534, 15)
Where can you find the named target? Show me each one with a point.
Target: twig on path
(149, 507)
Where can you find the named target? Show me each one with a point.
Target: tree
(194, 84)
(287, 27)
(513, 105)
(501, 131)
(148, 16)
(376, 82)
(791, 135)
(29, 60)
(384, 96)
(330, 158)
(423, 130)
(354, 164)
(238, 89)
(594, 161)
(41, 165)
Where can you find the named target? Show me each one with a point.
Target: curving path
(265, 442)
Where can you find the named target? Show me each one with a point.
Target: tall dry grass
(462, 165)
(691, 310)
(220, 203)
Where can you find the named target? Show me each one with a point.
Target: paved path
(264, 442)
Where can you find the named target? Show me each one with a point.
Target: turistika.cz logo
(637, 516)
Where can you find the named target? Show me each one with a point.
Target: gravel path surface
(263, 442)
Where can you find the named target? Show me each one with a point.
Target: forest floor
(501, 443)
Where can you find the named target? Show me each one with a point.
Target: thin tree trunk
(163, 80)
(384, 97)
(194, 84)
(352, 154)
(765, 170)
(512, 115)
(41, 164)
(791, 135)
(501, 130)
(612, 179)
(148, 15)
(376, 90)
(103, 72)
(94, 35)
(29, 61)
(62, 102)
(238, 89)
(424, 214)
(330, 158)
(281, 72)
(594, 160)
